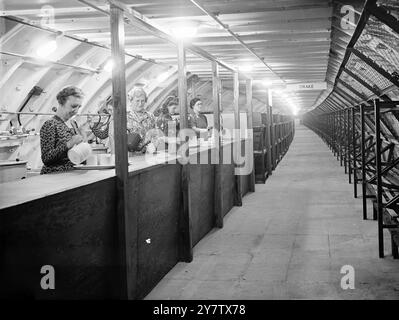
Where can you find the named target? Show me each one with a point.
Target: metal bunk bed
(359, 118)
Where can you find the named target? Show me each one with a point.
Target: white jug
(79, 153)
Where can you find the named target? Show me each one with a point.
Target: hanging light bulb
(185, 29)
(246, 68)
(267, 83)
(46, 49)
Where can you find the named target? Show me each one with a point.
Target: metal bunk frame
(352, 119)
(281, 132)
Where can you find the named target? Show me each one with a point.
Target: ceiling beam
(57, 11)
(235, 36)
(138, 20)
(76, 38)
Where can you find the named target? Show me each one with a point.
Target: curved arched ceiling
(369, 67)
(293, 37)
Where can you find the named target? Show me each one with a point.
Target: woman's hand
(76, 139)
(199, 130)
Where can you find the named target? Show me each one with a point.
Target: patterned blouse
(54, 135)
(140, 122)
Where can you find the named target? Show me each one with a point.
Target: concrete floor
(290, 239)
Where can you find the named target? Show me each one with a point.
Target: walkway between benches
(290, 239)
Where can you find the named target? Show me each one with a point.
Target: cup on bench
(92, 160)
(105, 159)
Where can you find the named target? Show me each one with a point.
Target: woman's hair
(193, 102)
(170, 101)
(137, 92)
(66, 92)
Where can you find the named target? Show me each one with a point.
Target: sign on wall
(307, 86)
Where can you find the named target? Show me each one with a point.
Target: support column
(377, 125)
(237, 140)
(345, 140)
(269, 141)
(334, 129)
(250, 152)
(348, 155)
(363, 161)
(126, 236)
(354, 165)
(186, 243)
(341, 135)
(217, 100)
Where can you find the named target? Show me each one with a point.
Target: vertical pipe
(182, 84)
(345, 139)
(350, 129)
(341, 136)
(237, 139)
(336, 134)
(334, 120)
(274, 142)
(127, 255)
(332, 131)
(250, 152)
(379, 178)
(269, 102)
(354, 165)
(348, 142)
(272, 133)
(330, 120)
(363, 161)
(218, 205)
(328, 129)
(186, 247)
(278, 134)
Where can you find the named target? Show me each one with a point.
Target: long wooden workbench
(68, 221)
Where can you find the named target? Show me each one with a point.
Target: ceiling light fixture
(47, 48)
(184, 29)
(267, 83)
(246, 68)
